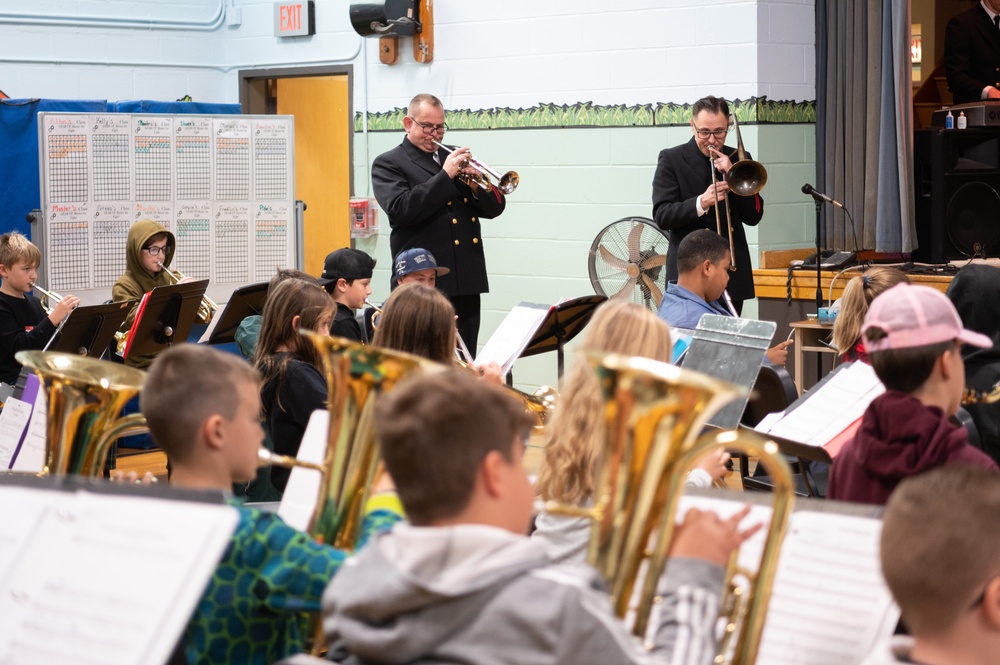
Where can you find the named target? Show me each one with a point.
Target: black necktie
(996, 21)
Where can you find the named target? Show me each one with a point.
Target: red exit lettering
(291, 17)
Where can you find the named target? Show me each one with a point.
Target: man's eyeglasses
(155, 251)
(429, 128)
(717, 133)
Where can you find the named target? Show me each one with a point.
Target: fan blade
(654, 289)
(613, 261)
(654, 261)
(626, 290)
(634, 251)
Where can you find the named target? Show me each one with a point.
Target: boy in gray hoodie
(461, 582)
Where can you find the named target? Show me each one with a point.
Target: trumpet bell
(84, 398)
(509, 182)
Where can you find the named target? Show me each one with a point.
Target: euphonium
(538, 404)
(207, 307)
(972, 396)
(356, 376)
(654, 413)
(84, 397)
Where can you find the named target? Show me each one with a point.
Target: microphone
(819, 196)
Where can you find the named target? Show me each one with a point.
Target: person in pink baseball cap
(913, 336)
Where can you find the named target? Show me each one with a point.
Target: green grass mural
(756, 110)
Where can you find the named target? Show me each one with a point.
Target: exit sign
(294, 19)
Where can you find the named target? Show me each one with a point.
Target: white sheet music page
(299, 499)
(829, 604)
(110, 579)
(31, 457)
(13, 421)
(513, 334)
(830, 408)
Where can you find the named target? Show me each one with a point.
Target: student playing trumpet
(24, 325)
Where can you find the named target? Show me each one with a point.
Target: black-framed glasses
(717, 133)
(155, 251)
(428, 127)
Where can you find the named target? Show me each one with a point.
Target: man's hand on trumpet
(453, 162)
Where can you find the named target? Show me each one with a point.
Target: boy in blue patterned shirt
(203, 409)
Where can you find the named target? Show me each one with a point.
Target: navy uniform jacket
(682, 175)
(428, 209)
(971, 54)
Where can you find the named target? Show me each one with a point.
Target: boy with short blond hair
(24, 325)
(203, 409)
(913, 337)
(943, 569)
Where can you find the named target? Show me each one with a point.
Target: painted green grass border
(756, 110)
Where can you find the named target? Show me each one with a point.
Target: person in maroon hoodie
(913, 337)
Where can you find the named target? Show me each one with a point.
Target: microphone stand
(819, 254)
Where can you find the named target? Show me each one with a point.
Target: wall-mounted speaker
(957, 185)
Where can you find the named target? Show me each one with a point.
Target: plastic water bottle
(949, 120)
(963, 122)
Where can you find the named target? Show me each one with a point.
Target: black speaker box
(957, 185)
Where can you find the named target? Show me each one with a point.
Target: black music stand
(245, 301)
(563, 323)
(88, 330)
(166, 315)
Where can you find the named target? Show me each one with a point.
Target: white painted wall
(517, 53)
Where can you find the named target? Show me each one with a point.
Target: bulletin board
(224, 185)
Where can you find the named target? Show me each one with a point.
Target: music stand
(166, 315)
(245, 301)
(564, 322)
(90, 329)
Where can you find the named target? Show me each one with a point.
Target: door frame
(254, 98)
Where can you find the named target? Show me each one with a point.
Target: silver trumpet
(49, 299)
(506, 182)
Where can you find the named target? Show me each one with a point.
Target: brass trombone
(746, 177)
(654, 413)
(207, 307)
(506, 183)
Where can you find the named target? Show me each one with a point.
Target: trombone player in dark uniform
(428, 206)
(685, 198)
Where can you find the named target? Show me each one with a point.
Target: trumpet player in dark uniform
(428, 206)
(685, 199)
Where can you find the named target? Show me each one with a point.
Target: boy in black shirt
(23, 322)
(347, 277)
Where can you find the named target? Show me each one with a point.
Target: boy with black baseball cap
(347, 277)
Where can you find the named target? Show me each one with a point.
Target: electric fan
(627, 260)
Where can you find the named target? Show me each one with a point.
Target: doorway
(320, 99)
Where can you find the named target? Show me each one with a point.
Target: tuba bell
(84, 397)
(653, 414)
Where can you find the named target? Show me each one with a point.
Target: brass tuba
(654, 413)
(84, 397)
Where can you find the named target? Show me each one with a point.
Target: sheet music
(299, 499)
(13, 421)
(826, 411)
(31, 456)
(829, 604)
(85, 566)
(513, 334)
